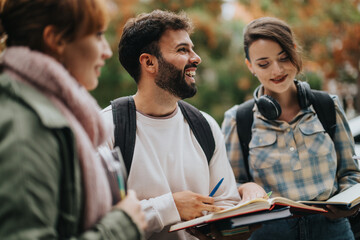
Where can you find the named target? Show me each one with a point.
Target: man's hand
(131, 205)
(191, 205)
(250, 190)
(215, 234)
(334, 212)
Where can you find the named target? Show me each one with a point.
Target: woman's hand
(131, 205)
(251, 190)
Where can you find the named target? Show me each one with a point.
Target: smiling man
(170, 171)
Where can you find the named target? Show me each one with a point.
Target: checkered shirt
(296, 160)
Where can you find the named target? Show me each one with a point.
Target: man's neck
(158, 104)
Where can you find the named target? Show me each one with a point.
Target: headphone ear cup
(304, 93)
(268, 107)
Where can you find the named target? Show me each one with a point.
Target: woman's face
(85, 56)
(272, 66)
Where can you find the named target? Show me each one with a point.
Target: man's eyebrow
(185, 44)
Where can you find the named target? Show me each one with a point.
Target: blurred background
(327, 30)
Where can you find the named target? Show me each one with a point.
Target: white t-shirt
(168, 159)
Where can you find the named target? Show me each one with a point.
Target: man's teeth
(190, 73)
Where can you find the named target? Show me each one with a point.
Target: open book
(250, 207)
(345, 200)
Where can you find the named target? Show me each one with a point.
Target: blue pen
(216, 187)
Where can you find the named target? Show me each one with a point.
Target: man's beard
(173, 80)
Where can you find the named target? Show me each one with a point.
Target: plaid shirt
(296, 160)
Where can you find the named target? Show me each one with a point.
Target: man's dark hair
(142, 33)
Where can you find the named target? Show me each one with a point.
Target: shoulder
(339, 110)
(27, 100)
(182, 104)
(231, 113)
(107, 113)
(337, 103)
(213, 124)
(30, 125)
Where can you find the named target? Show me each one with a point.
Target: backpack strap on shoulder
(325, 109)
(200, 127)
(124, 117)
(244, 120)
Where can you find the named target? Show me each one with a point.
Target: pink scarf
(83, 114)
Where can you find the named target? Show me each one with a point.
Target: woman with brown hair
(290, 153)
(52, 184)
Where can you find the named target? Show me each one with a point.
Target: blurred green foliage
(223, 78)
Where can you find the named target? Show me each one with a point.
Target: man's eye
(182, 50)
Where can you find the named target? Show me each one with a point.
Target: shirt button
(292, 149)
(288, 129)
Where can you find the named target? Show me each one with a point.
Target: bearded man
(169, 170)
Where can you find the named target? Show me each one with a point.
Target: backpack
(124, 117)
(324, 107)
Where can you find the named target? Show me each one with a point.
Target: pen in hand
(216, 187)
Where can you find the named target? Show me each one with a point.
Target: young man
(169, 169)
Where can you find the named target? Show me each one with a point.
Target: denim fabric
(313, 227)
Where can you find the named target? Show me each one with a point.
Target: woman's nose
(107, 50)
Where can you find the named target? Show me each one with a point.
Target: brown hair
(276, 30)
(23, 21)
(142, 34)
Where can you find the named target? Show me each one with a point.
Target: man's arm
(219, 167)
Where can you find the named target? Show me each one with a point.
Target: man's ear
(249, 65)
(148, 62)
(54, 43)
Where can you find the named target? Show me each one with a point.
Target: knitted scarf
(82, 113)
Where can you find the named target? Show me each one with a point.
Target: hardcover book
(248, 209)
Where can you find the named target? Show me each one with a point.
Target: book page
(291, 203)
(347, 196)
(253, 204)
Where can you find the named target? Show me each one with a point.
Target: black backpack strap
(325, 109)
(244, 120)
(200, 127)
(124, 117)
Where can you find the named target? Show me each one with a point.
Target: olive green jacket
(40, 178)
